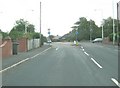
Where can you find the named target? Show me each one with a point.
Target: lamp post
(90, 31)
(27, 23)
(101, 21)
(118, 8)
(26, 28)
(76, 35)
(40, 25)
(90, 28)
(113, 23)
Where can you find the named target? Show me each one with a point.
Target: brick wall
(6, 48)
(22, 47)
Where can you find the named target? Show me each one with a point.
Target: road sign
(76, 32)
(48, 32)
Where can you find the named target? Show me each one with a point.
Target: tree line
(22, 29)
(87, 29)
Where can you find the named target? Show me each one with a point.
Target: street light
(40, 25)
(90, 31)
(113, 23)
(118, 19)
(101, 21)
(76, 35)
(90, 28)
(26, 24)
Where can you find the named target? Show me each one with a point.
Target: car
(97, 40)
(49, 41)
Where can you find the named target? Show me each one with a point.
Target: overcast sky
(58, 15)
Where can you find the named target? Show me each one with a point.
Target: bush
(111, 36)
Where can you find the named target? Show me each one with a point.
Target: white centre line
(83, 49)
(86, 53)
(57, 48)
(23, 61)
(96, 63)
(116, 82)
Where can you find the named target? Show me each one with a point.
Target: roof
(57, 37)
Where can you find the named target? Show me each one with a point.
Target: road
(66, 65)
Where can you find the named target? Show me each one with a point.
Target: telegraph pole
(117, 24)
(113, 25)
(90, 31)
(102, 22)
(40, 25)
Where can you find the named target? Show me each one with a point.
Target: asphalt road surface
(66, 65)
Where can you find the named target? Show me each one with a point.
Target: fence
(24, 45)
(32, 44)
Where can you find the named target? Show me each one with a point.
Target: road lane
(106, 56)
(67, 66)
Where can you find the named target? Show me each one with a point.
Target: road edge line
(20, 62)
(116, 82)
(96, 63)
(86, 53)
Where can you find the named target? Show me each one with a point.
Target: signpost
(76, 37)
(49, 36)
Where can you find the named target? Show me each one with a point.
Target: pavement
(66, 65)
(6, 62)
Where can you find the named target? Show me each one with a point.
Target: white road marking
(83, 49)
(57, 48)
(86, 53)
(34, 56)
(23, 61)
(14, 65)
(96, 63)
(116, 82)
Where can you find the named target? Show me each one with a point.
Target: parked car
(49, 41)
(97, 40)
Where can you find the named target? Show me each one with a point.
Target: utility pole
(25, 28)
(102, 25)
(90, 31)
(40, 25)
(102, 22)
(118, 23)
(113, 24)
(76, 36)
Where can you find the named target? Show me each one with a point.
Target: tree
(108, 28)
(36, 35)
(30, 28)
(4, 34)
(20, 25)
(18, 30)
(84, 28)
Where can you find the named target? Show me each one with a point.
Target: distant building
(56, 38)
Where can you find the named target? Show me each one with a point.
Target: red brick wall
(7, 48)
(22, 47)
